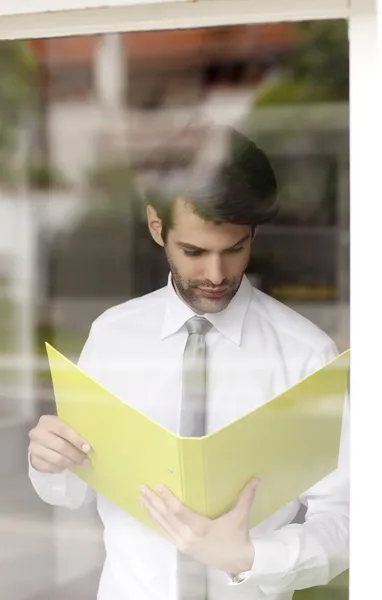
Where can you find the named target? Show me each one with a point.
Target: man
(253, 347)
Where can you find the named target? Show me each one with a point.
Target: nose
(214, 270)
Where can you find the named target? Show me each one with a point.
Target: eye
(193, 253)
(236, 250)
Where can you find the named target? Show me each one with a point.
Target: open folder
(290, 442)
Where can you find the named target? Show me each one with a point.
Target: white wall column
(366, 323)
(110, 82)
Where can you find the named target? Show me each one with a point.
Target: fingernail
(86, 447)
(159, 488)
(256, 483)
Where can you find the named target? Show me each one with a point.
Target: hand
(55, 447)
(223, 543)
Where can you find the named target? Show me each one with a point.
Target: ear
(155, 225)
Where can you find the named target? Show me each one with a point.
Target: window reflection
(81, 121)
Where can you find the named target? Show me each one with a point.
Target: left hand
(223, 543)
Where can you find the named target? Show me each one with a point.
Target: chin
(211, 306)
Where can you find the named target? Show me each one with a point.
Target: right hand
(55, 447)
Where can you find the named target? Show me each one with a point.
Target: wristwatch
(239, 578)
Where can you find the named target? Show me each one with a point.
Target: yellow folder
(290, 442)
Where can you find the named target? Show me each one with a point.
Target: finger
(156, 503)
(182, 534)
(42, 466)
(243, 505)
(55, 425)
(159, 520)
(52, 457)
(63, 447)
(183, 513)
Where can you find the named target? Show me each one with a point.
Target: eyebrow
(186, 246)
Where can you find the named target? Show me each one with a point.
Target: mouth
(216, 293)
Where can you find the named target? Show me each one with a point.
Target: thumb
(245, 499)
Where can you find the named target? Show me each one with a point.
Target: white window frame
(44, 18)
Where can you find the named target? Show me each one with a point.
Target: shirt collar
(229, 322)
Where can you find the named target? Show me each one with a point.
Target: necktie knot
(198, 325)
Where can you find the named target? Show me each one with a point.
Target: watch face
(240, 577)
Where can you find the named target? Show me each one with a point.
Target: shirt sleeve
(61, 489)
(299, 556)
(65, 488)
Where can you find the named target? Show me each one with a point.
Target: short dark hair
(240, 189)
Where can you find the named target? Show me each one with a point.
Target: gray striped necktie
(193, 409)
(191, 574)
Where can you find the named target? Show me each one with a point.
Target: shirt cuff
(272, 558)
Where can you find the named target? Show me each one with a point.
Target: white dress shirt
(257, 348)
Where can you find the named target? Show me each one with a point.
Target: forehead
(189, 228)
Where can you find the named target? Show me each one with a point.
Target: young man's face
(207, 260)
